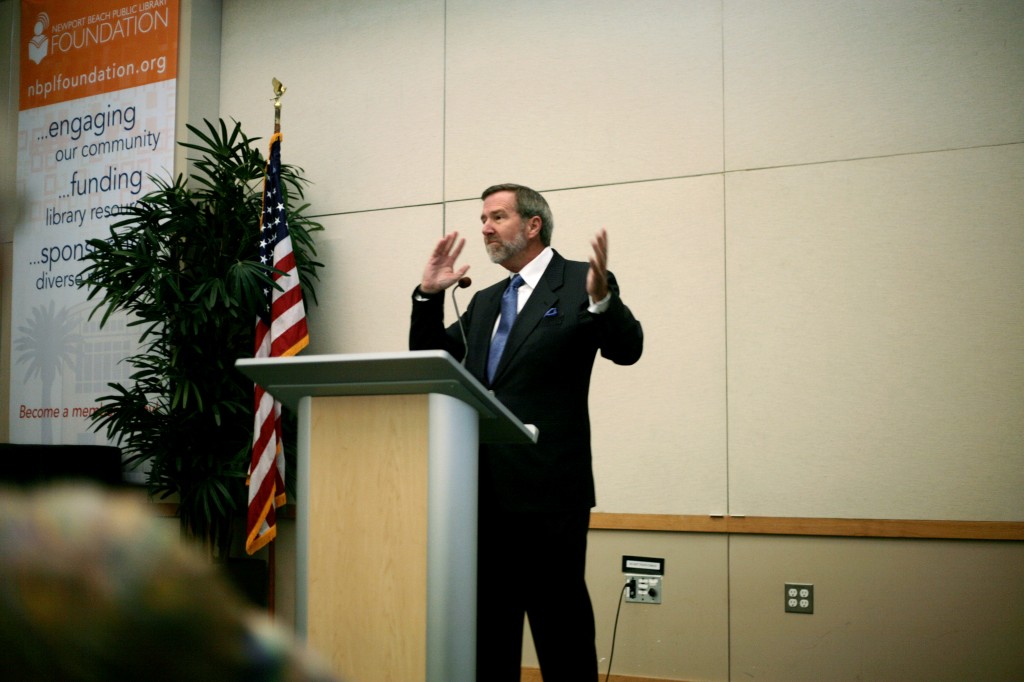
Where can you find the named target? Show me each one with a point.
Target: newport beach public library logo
(39, 46)
(91, 49)
(97, 27)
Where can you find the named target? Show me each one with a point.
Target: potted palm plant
(183, 264)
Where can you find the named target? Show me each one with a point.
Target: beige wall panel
(658, 426)
(559, 94)
(885, 610)
(198, 93)
(876, 338)
(372, 263)
(363, 111)
(683, 638)
(813, 80)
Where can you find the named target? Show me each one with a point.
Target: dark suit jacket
(543, 378)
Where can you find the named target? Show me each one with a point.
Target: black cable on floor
(615, 629)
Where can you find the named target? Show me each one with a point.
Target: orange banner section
(77, 48)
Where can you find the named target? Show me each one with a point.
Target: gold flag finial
(279, 90)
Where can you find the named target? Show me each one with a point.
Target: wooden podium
(387, 507)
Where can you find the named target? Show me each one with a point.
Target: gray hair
(529, 204)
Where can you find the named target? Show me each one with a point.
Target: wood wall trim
(922, 529)
(824, 527)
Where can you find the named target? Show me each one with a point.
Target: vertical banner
(96, 118)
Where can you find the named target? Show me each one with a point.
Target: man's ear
(533, 226)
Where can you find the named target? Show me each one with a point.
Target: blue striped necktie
(509, 303)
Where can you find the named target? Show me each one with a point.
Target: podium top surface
(292, 378)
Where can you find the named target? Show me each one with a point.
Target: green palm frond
(182, 263)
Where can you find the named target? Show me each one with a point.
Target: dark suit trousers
(533, 564)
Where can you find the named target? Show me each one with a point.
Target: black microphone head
(464, 282)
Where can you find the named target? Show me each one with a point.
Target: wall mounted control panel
(644, 578)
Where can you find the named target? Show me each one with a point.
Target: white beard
(500, 252)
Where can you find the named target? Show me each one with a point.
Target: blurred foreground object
(92, 587)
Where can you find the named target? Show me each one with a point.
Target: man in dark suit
(535, 500)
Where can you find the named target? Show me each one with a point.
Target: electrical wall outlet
(799, 598)
(643, 579)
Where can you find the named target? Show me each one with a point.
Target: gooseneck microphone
(462, 284)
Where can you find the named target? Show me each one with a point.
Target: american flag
(280, 331)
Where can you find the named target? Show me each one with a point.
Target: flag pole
(279, 90)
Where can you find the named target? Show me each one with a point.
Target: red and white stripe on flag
(280, 331)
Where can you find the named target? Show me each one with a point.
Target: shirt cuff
(421, 297)
(600, 306)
